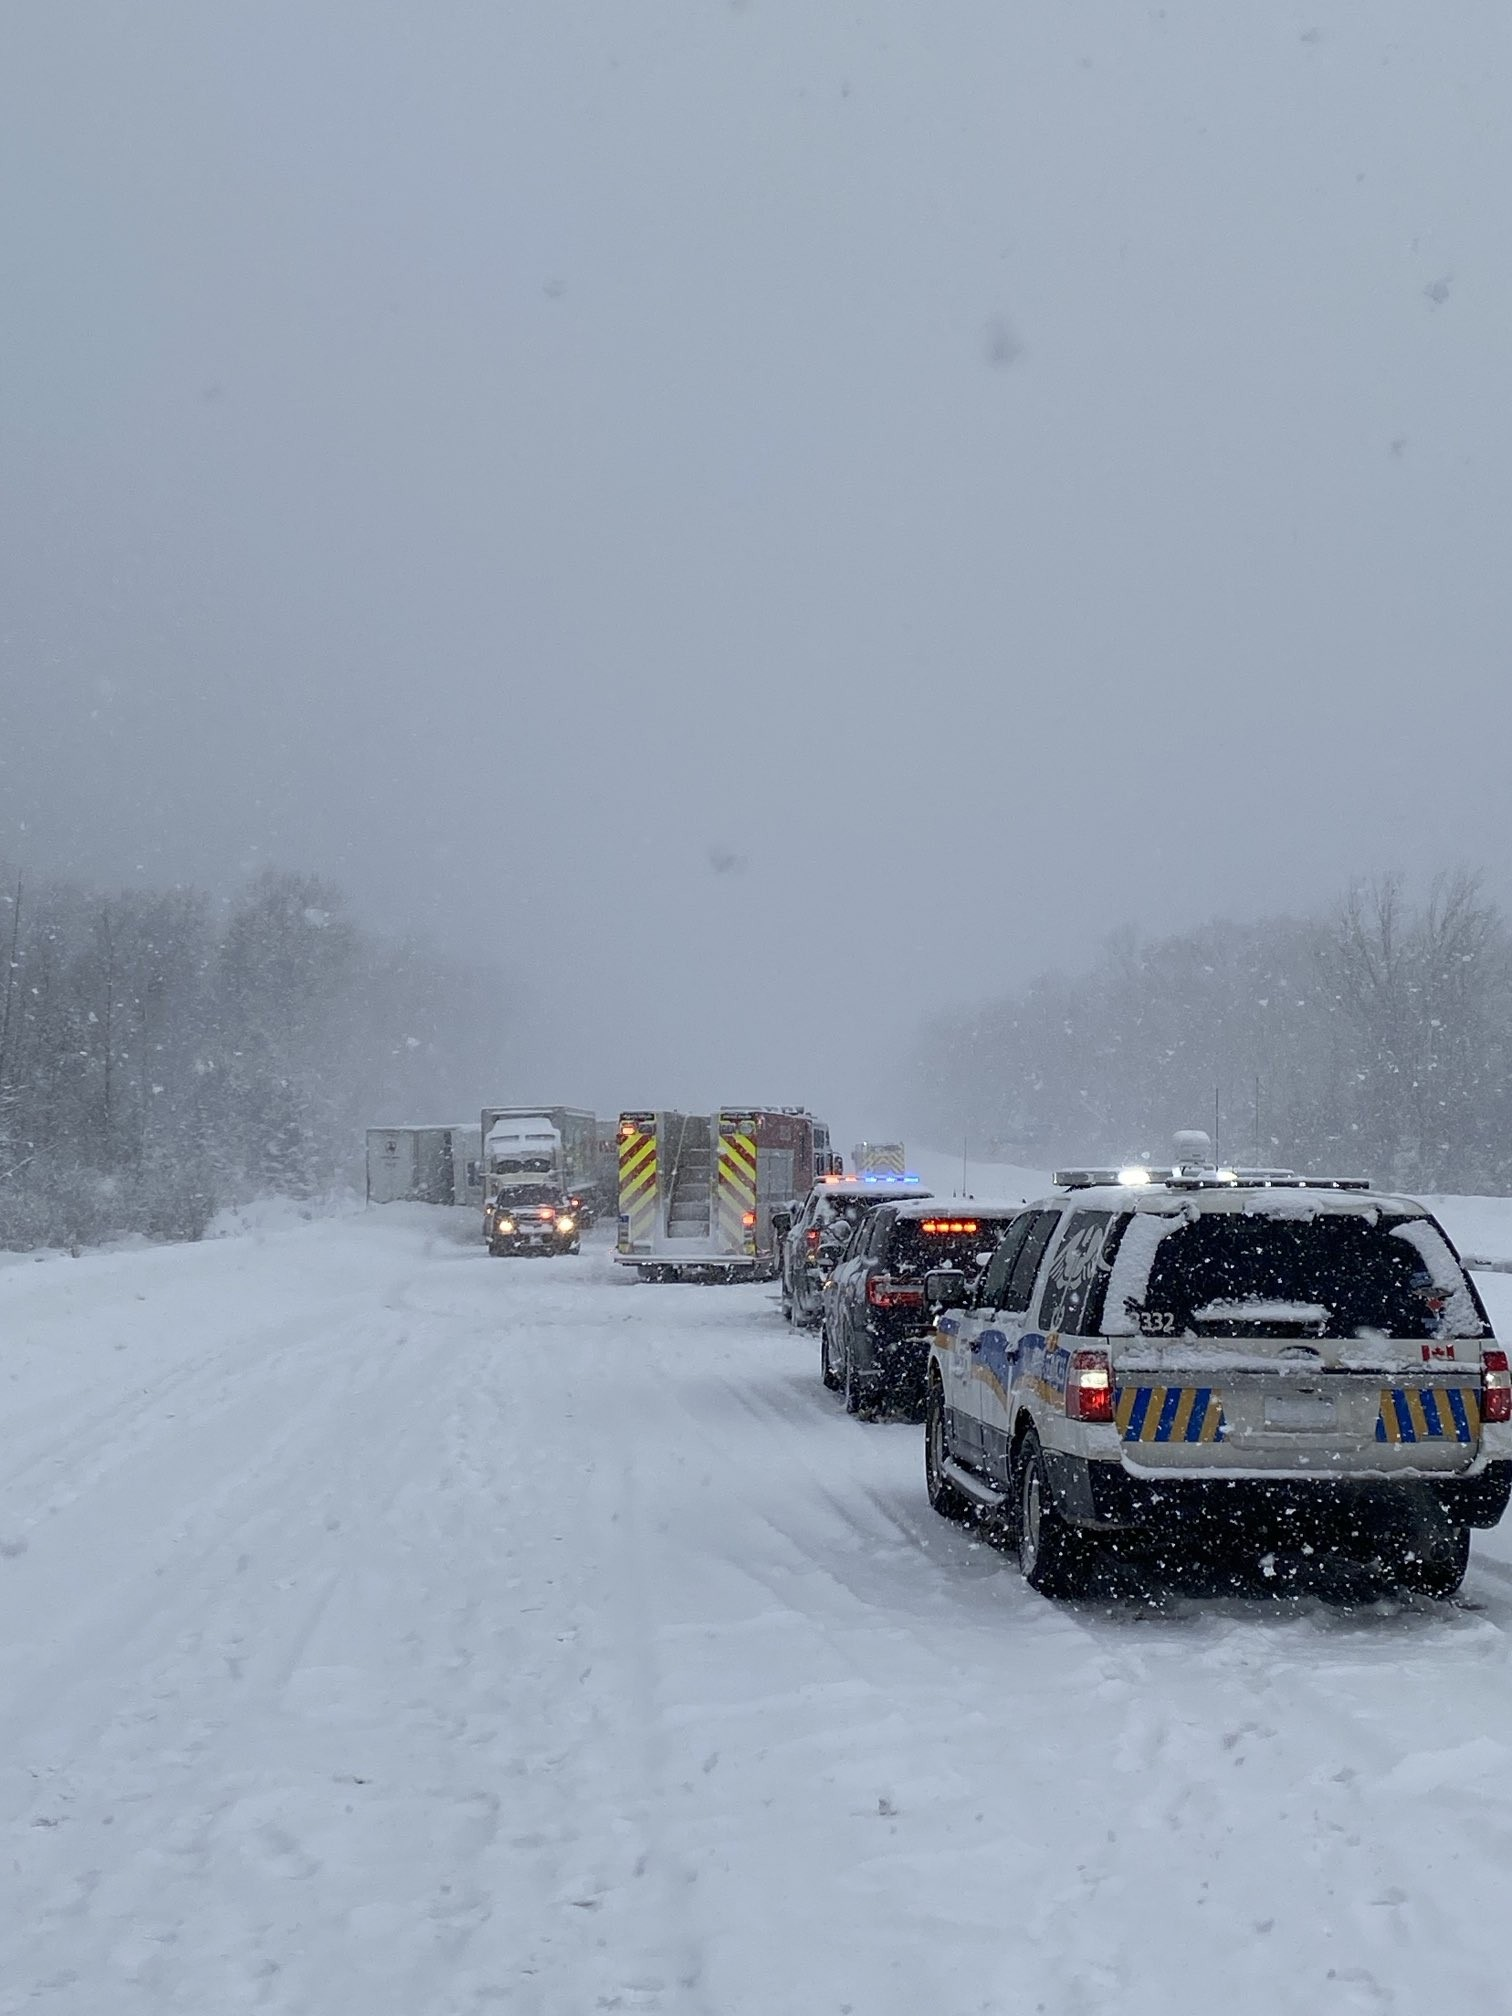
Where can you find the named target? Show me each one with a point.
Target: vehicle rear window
(920, 1244)
(843, 1210)
(1234, 1274)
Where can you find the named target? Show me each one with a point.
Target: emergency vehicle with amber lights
(699, 1192)
(1198, 1360)
(875, 1335)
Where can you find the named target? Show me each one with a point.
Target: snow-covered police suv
(1197, 1360)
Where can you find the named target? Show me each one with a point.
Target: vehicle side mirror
(947, 1288)
(782, 1223)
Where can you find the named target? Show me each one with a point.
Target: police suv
(1202, 1360)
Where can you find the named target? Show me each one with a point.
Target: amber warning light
(951, 1225)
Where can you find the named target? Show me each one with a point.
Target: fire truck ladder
(692, 1181)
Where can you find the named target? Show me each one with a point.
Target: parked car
(819, 1230)
(1200, 1361)
(877, 1313)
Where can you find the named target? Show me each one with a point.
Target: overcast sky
(757, 518)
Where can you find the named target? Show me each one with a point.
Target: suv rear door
(1295, 1338)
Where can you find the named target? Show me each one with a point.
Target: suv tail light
(883, 1292)
(1089, 1386)
(812, 1235)
(1496, 1387)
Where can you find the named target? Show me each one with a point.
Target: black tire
(832, 1380)
(787, 1304)
(495, 1250)
(1436, 1569)
(946, 1498)
(860, 1399)
(1052, 1554)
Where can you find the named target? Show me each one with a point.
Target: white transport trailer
(422, 1165)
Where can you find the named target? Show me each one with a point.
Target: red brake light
(1089, 1387)
(748, 1219)
(882, 1292)
(1496, 1387)
(813, 1235)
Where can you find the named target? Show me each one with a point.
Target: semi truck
(423, 1165)
(697, 1191)
(529, 1147)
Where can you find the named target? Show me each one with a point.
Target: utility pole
(10, 982)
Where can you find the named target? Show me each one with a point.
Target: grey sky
(611, 483)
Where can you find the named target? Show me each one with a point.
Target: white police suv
(1199, 1360)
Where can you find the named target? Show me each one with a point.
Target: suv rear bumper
(896, 1359)
(1208, 1509)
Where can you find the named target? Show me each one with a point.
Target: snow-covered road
(390, 1630)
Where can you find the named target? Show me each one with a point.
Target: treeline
(1374, 1039)
(162, 1055)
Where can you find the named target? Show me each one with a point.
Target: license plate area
(1301, 1411)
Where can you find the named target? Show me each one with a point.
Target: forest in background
(1372, 1039)
(162, 1054)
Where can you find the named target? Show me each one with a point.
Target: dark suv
(877, 1316)
(820, 1230)
(532, 1218)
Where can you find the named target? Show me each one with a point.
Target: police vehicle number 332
(1199, 1359)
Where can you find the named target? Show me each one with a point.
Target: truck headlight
(505, 1225)
(565, 1224)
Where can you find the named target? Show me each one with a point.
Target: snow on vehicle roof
(957, 1207)
(520, 1130)
(1282, 1201)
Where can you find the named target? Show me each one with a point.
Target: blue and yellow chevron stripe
(1168, 1414)
(1428, 1414)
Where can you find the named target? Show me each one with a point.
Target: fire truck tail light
(1089, 1387)
(1496, 1387)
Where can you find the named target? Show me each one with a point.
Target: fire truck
(697, 1190)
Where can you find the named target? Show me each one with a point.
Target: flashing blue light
(884, 1176)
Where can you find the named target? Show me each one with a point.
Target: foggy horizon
(758, 525)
